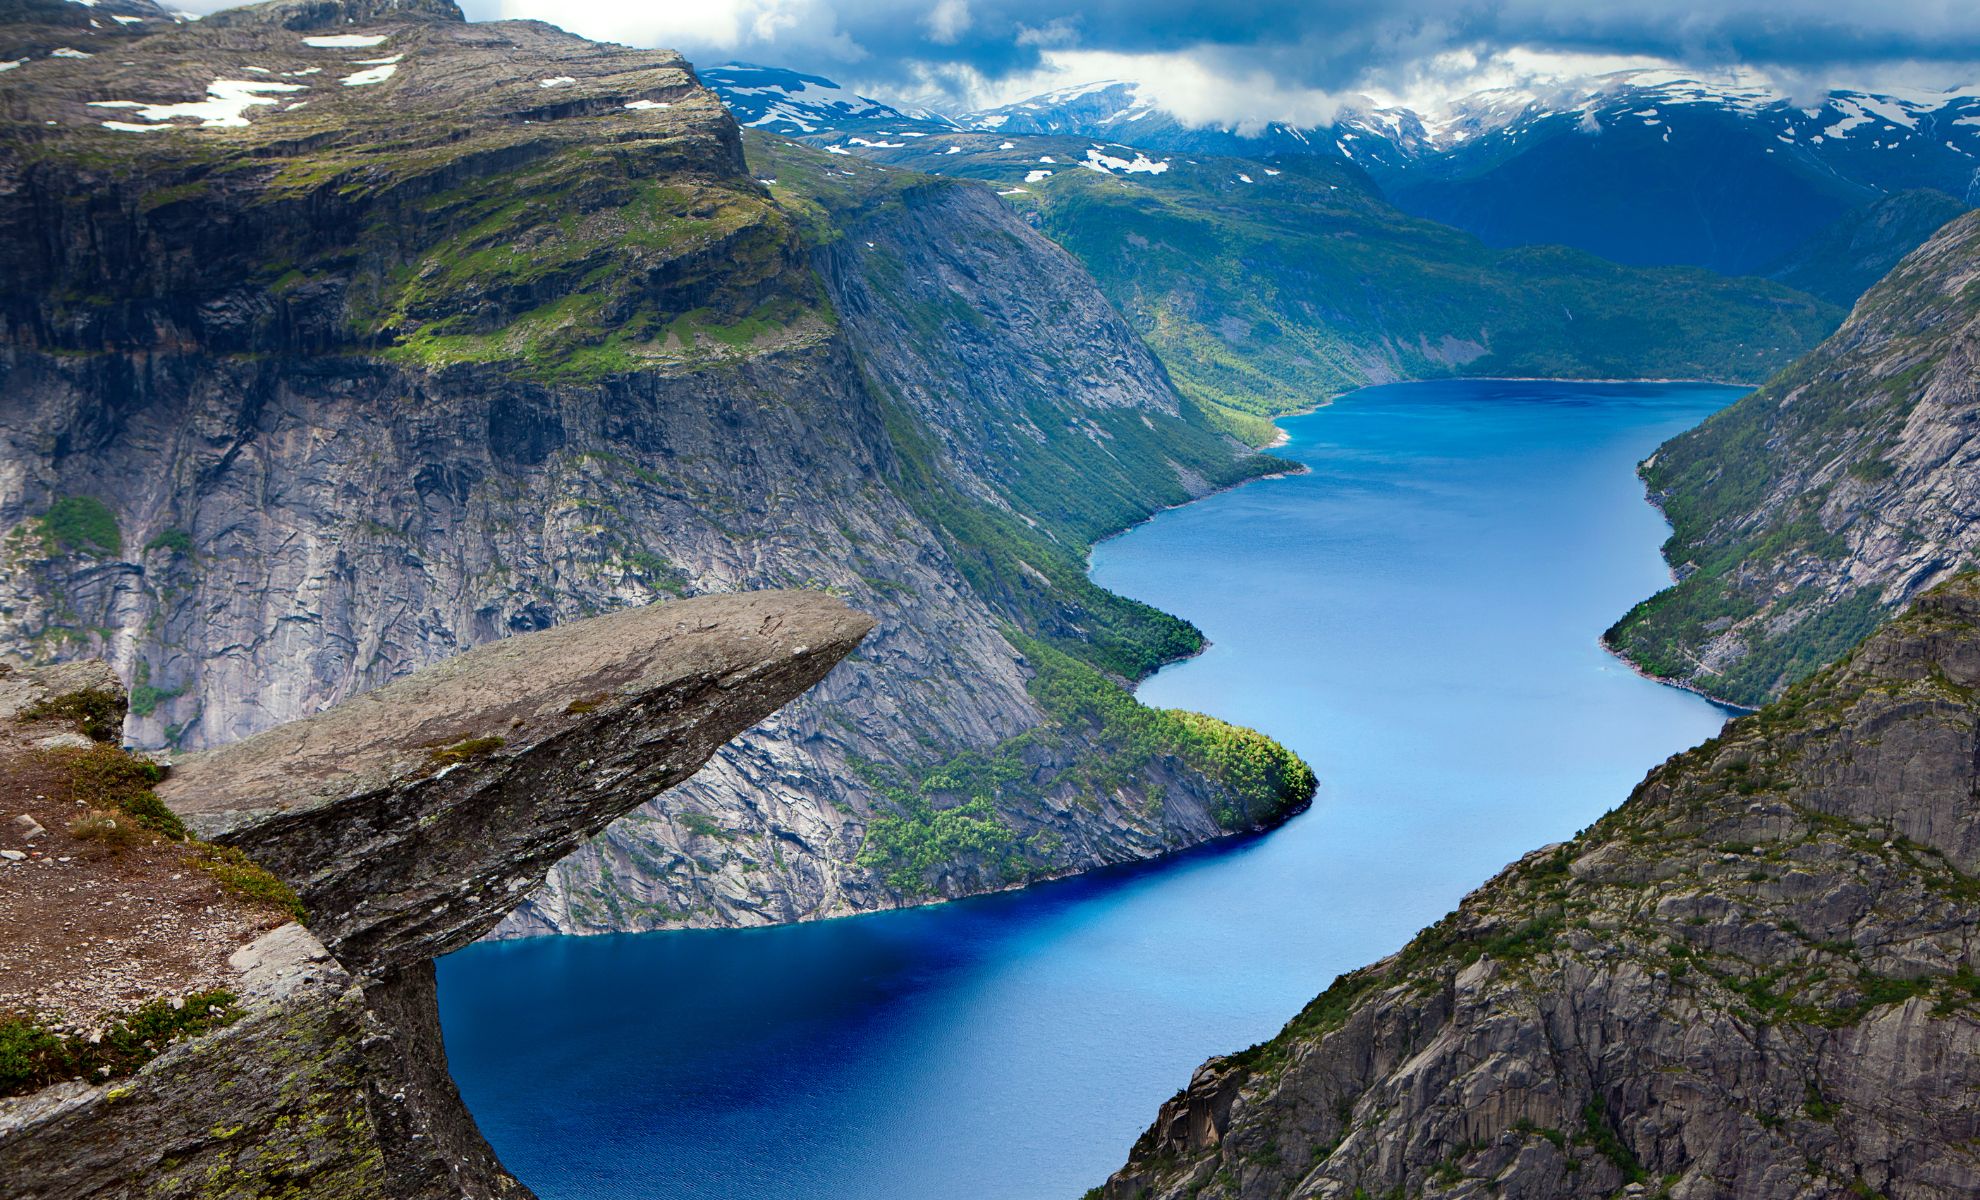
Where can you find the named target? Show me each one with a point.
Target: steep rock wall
(510, 337)
(1756, 978)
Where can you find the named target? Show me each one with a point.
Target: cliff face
(1756, 978)
(472, 330)
(1811, 509)
(409, 821)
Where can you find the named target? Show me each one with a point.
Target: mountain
(1268, 285)
(1654, 170)
(1843, 261)
(779, 101)
(1755, 978)
(340, 337)
(1844, 487)
(1268, 289)
(1650, 168)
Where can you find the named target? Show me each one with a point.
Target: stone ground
(87, 929)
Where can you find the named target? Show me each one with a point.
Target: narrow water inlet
(1418, 616)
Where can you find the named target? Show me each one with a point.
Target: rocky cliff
(1811, 509)
(306, 1060)
(341, 336)
(1756, 978)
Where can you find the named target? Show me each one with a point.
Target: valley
(1012, 1046)
(976, 619)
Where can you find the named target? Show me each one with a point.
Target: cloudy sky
(1252, 60)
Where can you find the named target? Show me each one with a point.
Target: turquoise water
(1417, 616)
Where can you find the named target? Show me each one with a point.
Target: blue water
(1417, 616)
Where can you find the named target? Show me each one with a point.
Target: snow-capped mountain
(1646, 167)
(1117, 110)
(796, 105)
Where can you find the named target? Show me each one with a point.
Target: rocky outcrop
(405, 842)
(1810, 510)
(1756, 978)
(511, 334)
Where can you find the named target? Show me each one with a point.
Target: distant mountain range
(1641, 167)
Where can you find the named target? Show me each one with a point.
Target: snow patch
(345, 41)
(556, 82)
(953, 150)
(1035, 176)
(225, 106)
(1107, 164)
(8, 66)
(646, 105)
(1242, 178)
(69, 52)
(860, 141)
(378, 74)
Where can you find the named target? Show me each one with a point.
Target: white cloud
(948, 21)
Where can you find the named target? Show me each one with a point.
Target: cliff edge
(304, 1057)
(1756, 979)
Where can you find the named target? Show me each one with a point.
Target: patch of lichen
(314, 1138)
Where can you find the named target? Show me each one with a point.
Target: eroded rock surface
(1815, 507)
(505, 332)
(1755, 979)
(410, 819)
(405, 841)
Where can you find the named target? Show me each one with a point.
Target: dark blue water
(1417, 616)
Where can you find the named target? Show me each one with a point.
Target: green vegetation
(106, 779)
(1753, 500)
(1848, 258)
(1267, 299)
(32, 1056)
(464, 750)
(909, 848)
(1099, 741)
(584, 264)
(175, 541)
(145, 696)
(97, 712)
(242, 876)
(83, 525)
(120, 810)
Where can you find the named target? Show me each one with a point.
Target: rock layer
(1813, 508)
(332, 1081)
(512, 335)
(1756, 978)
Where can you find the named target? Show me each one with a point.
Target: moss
(33, 1056)
(97, 712)
(107, 779)
(465, 750)
(240, 876)
(174, 541)
(83, 524)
